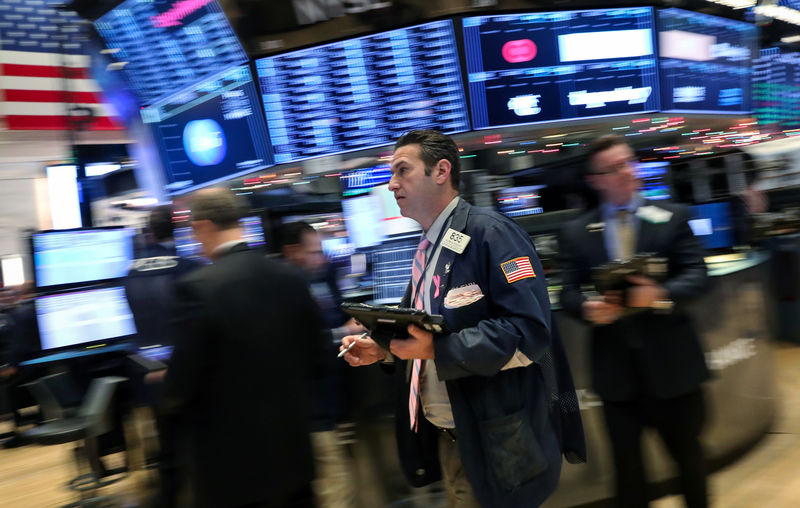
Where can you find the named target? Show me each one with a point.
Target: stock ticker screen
(540, 67)
(211, 132)
(776, 87)
(169, 44)
(705, 62)
(364, 92)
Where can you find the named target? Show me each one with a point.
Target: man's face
(202, 233)
(311, 256)
(413, 190)
(613, 174)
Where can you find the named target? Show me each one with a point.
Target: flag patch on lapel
(517, 269)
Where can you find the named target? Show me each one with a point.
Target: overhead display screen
(169, 44)
(546, 66)
(776, 87)
(210, 132)
(705, 62)
(363, 92)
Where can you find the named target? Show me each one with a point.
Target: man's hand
(365, 352)
(353, 327)
(645, 293)
(419, 344)
(601, 312)
(7, 372)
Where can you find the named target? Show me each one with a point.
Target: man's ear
(441, 172)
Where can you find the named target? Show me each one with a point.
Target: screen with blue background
(539, 67)
(712, 224)
(169, 45)
(705, 62)
(363, 92)
(79, 256)
(654, 178)
(210, 132)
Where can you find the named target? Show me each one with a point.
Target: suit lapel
(596, 239)
(444, 265)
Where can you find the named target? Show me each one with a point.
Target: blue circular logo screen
(204, 142)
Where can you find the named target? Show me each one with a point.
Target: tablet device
(385, 322)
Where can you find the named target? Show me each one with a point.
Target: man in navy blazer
(647, 362)
(497, 405)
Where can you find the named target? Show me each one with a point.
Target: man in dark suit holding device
(488, 407)
(647, 362)
(243, 406)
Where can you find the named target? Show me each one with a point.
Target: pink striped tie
(417, 288)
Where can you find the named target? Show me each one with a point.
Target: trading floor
(767, 476)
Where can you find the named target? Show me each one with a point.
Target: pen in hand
(348, 348)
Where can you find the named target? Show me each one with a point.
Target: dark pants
(679, 421)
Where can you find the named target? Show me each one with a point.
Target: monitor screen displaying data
(81, 255)
(546, 66)
(712, 224)
(211, 132)
(520, 201)
(654, 178)
(169, 44)
(705, 62)
(776, 87)
(363, 92)
(188, 247)
(80, 317)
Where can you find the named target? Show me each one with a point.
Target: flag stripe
(21, 122)
(20, 83)
(49, 108)
(52, 59)
(52, 96)
(45, 71)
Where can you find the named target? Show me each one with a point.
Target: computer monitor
(363, 92)
(391, 269)
(547, 66)
(654, 178)
(79, 256)
(705, 62)
(361, 181)
(392, 219)
(520, 201)
(83, 317)
(188, 247)
(169, 45)
(211, 132)
(713, 225)
(362, 217)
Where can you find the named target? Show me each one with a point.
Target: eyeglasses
(615, 168)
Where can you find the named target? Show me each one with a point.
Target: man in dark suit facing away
(243, 405)
(647, 361)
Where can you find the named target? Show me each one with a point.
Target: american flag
(44, 71)
(517, 269)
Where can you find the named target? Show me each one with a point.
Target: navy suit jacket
(653, 354)
(509, 433)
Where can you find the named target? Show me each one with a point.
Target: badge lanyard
(421, 282)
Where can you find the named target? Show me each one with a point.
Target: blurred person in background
(648, 365)
(240, 406)
(301, 246)
(488, 407)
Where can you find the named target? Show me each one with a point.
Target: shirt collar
(610, 210)
(433, 232)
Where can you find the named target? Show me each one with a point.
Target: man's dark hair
(160, 223)
(433, 147)
(601, 144)
(292, 233)
(221, 206)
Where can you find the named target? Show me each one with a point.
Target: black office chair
(95, 422)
